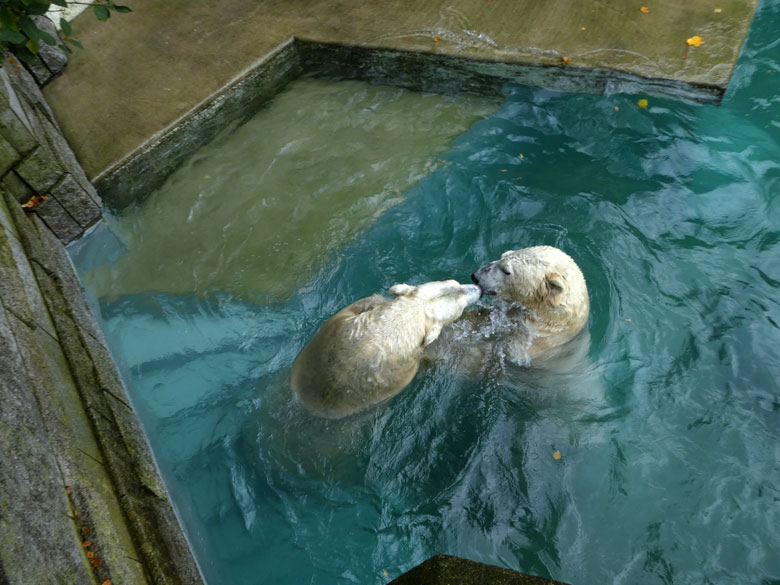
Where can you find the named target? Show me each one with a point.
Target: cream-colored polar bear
(546, 301)
(370, 350)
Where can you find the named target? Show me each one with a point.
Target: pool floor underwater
(654, 459)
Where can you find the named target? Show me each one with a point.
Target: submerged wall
(81, 500)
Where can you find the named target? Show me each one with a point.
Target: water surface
(667, 431)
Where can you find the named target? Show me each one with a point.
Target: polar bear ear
(399, 290)
(432, 335)
(555, 284)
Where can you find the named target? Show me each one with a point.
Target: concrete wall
(81, 500)
(36, 160)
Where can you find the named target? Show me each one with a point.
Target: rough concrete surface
(140, 72)
(80, 498)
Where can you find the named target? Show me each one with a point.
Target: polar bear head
(442, 302)
(544, 280)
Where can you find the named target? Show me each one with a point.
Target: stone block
(16, 188)
(449, 570)
(76, 201)
(64, 154)
(14, 124)
(137, 446)
(62, 279)
(39, 71)
(28, 92)
(37, 538)
(53, 57)
(66, 423)
(78, 454)
(41, 170)
(164, 550)
(26, 224)
(99, 511)
(58, 220)
(8, 156)
(6, 218)
(8, 96)
(72, 337)
(18, 286)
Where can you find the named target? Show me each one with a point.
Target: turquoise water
(669, 468)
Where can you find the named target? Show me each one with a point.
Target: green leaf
(122, 9)
(11, 36)
(37, 8)
(66, 28)
(25, 56)
(30, 28)
(66, 48)
(62, 3)
(46, 37)
(75, 43)
(8, 20)
(101, 12)
(33, 46)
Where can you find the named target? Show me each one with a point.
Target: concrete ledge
(144, 170)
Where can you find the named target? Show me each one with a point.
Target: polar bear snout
(484, 282)
(473, 292)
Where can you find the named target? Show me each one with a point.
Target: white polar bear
(546, 302)
(370, 350)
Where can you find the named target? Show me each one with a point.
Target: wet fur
(370, 350)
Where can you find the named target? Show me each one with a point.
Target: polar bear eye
(505, 270)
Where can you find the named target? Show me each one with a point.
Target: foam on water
(666, 413)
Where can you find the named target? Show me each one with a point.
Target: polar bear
(370, 350)
(545, 300)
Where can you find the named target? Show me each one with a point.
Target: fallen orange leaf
(106, 582)
(557, 455)
(31, 204)
(644, 9)
(565, 60)
(436, 39)
(695, 41)
(90, 554)
(96, 562)
(642, 103)
(86, 544)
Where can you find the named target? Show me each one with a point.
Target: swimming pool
(667, 434)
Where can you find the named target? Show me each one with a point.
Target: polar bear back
(370, 350)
